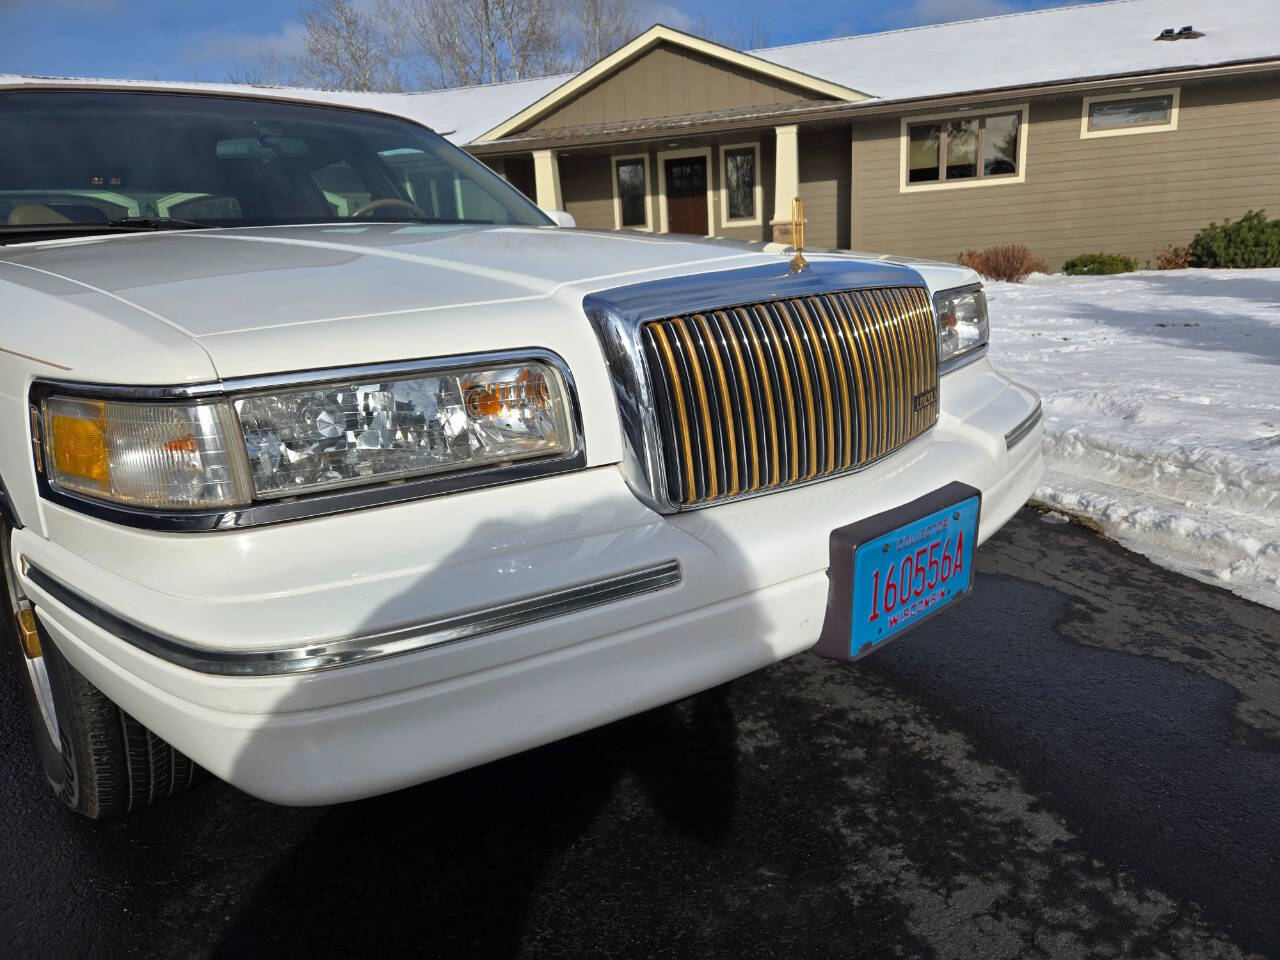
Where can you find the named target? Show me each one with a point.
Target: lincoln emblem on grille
(926, 398)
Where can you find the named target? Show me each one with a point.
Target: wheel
(99, 761)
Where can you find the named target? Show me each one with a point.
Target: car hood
(263, 300)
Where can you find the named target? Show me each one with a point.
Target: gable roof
(655, 35)
(1041, 46)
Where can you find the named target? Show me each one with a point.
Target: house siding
(1131, 194)
(825, 181)
(587, 190)
(667, 81)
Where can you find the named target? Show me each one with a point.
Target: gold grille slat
(788, 391)
(762, 374)
(811, 421)
(726, 399)
(749, 413)
(846, 410)
(787, 396)
(897, 347)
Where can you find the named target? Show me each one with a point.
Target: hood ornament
(798, 262)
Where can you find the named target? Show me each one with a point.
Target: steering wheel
(373, 205)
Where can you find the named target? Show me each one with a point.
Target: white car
(331, 465)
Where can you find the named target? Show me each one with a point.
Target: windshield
(77, 160)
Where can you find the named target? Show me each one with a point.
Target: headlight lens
(229, 452)
(962, 322)
(155, 455)
(359, 432)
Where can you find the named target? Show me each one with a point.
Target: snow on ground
(1162, 411)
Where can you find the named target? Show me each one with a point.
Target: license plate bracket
(863, 612)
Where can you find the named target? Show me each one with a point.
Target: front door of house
(687, 195)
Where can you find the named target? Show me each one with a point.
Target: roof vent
(1186, 33)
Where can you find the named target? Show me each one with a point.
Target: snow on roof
(1041, 46)
(460, 114)
(463, 113)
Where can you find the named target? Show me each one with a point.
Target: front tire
(98, 760)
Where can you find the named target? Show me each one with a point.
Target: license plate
(893, 571)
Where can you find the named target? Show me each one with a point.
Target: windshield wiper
(23, 233)
(155, 223)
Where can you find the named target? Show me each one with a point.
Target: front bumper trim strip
(363, 648)
(1019, 433)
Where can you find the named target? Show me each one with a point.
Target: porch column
(786, 181)
(546, 180)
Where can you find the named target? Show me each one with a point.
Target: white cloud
(650, 13)
(288, 41)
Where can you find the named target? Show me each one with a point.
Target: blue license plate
(910, 573)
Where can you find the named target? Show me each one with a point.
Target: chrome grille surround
(742, 382)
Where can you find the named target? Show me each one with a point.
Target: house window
(631, 192)
(740, 183)
(1111, 115)
(957, 150)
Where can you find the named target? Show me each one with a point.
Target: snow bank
(1162, 411)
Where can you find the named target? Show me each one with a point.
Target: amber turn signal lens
(80, 444)
(483, 402)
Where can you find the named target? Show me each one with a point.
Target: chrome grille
(783, 392)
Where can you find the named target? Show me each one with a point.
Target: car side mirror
(561, 218)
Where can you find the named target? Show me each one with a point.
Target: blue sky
(186, 40)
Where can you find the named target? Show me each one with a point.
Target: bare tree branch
(271, 70)
(752, 36)
(395, 45)
(603, 26)
(350, 47)
(463, 42)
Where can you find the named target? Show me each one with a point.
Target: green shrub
(1098, 264)
(1007, 261)
(1251, 241)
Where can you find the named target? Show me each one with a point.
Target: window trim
(904, 148)
(665, 155)
(757, 189)
(1175, 93)
(617, 197)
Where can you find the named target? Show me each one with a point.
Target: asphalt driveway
(1081, 760)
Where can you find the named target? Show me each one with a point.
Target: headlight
(230, 451)
(962, 321)
(342, 434)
